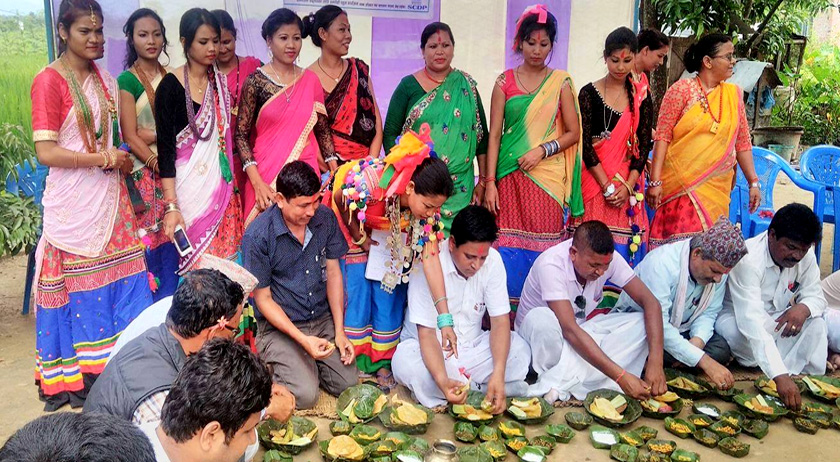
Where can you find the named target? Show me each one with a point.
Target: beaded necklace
(216, 118)
(708, 108)
(93, 138)
(404, 252)
(234, 98)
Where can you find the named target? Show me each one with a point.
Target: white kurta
(621, 336)
(831, 291)
(468, 300)
(757, 293)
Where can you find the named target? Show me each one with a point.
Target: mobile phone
(182, 242)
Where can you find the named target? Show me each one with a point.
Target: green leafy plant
(19, 223)
(15, 148)
(759, 26)
(816, 106)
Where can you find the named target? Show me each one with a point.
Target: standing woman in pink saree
(192, 114)
(282, 117)
(616, 114)
(91, 277)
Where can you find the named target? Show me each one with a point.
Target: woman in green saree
(447, 100)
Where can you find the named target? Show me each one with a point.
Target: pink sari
(199, 178)
(615, 155)
(284, 133)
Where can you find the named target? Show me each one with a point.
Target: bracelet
(551, 148)
(248, 164)
(755, 184)
(445, 320)
(654, 183)
(623, 182)
(171, 207)
(361, 239)
(75, 160)
(490, 179)
(150, 159)
(444, 298)
(620, 375)
(331, 159)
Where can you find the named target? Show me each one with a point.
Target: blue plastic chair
(821, 164)
(30, 182)
(767, 166)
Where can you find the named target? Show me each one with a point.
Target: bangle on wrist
(617, 379)
(331, 159)
(445, 320)
(248, 164)
(654, 183)
(441, 299)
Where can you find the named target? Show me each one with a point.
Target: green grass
(16, 74)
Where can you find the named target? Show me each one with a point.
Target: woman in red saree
(348, 92)
(281, 115)
(701, 133)
(616, 112)
(91, 277)
(236, 68)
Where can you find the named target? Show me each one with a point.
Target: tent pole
(50, 37)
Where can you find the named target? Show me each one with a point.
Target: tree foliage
(760, 27)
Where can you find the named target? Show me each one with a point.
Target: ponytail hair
(706, 46)
(620, 39)
(432, 178)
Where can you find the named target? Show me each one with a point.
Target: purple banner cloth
(562, 11)
(395, 53)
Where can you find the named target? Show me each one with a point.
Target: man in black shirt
(293, 248)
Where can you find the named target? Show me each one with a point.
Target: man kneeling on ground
(214, 406)
(293, 249)
(496, 361)
(773, 307)
(689, 279)
(572, 353)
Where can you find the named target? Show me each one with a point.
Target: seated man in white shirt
(773, 307)
(496, 362)
(214, 406)
(688, 278)
(572, 353)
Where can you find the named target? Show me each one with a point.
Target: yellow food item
(345, 447)
(530, 407)
(280, 436)
(516, 444)
(699, 422)
(602, 408)
(379, 404)
(660, 448)
(510, 431)
(680, 428)
(726, 429)
(473, 414)
(667, 397)
(771, 385)
(758, 405)
(685, 384)
(828, 389)
(409, 414)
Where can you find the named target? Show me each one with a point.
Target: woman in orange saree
(615, 147)
(702, 132)
(281, 115)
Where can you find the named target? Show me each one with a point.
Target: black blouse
(594, 111)
(170, 119)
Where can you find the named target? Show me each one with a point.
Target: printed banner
(411, 9)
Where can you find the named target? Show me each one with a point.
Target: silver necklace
(286, 94)
(607, 133)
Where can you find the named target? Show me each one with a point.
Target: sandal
(385, 380)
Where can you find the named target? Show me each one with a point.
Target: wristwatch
(755, 184)
(610, 190)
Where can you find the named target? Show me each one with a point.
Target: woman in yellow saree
(701, 133)
(533, 155)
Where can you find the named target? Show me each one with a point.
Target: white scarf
(679, 304)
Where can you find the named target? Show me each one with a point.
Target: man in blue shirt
(688, 278)
(293, 249)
